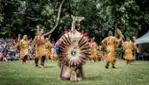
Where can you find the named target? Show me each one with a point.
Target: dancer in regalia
(74, 50)
(128, 47)
(39, 43)
(100, 54)
(94, 48)
(110, 43)
(48, 46)
(53, 54)
(24, 45)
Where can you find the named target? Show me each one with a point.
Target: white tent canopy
(143, 39)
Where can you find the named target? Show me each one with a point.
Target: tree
(22, 16)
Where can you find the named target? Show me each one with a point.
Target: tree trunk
(58, 19)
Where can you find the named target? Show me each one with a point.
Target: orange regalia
(128, 47)
(100, 54)
(48, 47)
(39, 43)
(94, 48)
(40, 48)
(23, 45)
(53, 54)
(110, 43)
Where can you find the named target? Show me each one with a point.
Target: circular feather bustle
(74, 48)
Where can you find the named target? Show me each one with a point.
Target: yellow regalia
(128, 47)
(23, 48)
(110, 43)
(94, 48)
(39, 43)
(48, 47)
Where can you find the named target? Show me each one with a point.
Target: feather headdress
(74, 47)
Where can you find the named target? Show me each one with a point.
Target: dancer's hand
(19, 35)
(119, 32)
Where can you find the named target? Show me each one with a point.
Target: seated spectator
(12, 53)
(5, 51)
(145, 55)
(4, 57)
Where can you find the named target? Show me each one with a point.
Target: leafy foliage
(22, 16)
(119, 52)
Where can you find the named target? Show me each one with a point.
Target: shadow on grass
(136, 63)
(48, 66)
(113, 68)
(117, 68)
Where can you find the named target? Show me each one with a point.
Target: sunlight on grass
(15, 73)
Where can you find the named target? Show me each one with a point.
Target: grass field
(15, 73)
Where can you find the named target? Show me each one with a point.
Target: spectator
(1, 54)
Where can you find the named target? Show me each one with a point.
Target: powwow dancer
(94, 47)
(24, 48)
(48, 47)
(100, 54)
(110, 43)
(74, 50)
(53, 54)
(40, 50)
(128, 47)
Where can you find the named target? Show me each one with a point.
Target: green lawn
(15, 73)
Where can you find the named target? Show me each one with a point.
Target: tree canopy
(22, 16)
